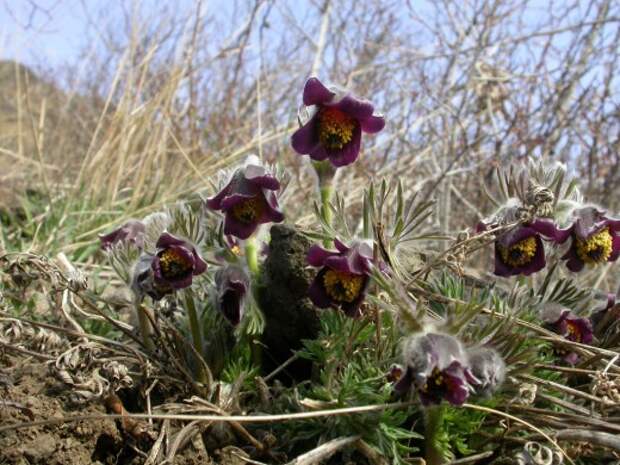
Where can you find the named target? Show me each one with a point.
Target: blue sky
(55, 30)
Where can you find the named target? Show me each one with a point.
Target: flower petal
(547, 228)
(181, 283)
(501, 269)
(272, 213)
(317, 293)
(316, 93)
(200, 266)
(215, 203)
(167, 240)
(357, 108)
(402, 386)
(235, 199)
(349, 153)
(319, 153)
(306, 139)
(573, 262)
(260, 177)
(454, 377)
(236, 228)
(132, 231)
(317, 255)
(372, 124)
(340, 246)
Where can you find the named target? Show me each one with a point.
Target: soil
(29, 393)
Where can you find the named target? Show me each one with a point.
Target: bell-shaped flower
(143, 281)
(335, 129)
(176, 262)
(247, 201)
(489, 369)
(573, 328)
(594, 239)
(437, 366)
(343, 276)
(232, 284)
(132, 231)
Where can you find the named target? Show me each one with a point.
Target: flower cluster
(438, 367)
(520, 250)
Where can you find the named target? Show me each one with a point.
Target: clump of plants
(399, 352)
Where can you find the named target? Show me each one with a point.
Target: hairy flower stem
(326, 196)
(433, 419)
(194, 326)
(145, 326)
(251, 256)
(326, 175)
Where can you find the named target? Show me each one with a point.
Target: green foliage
(353, 360)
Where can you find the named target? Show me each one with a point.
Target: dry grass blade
(324, 451)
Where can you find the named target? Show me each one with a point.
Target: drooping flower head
(607, 315)
(343, 276)
(232, 284)
(132, 232)
(520, 251)
(594, 239)
(175, 262)
(573, 328)
(143, 280)
(489, 369)
(247, 201)
(335, 129)
(437, 366)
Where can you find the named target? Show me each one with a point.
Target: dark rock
(290, 316)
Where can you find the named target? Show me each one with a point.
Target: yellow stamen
(335, 128)
(173, 264)
(520, 254)
(249, 210)
(436, 378)
(343, 287)
(574, 334)
(595, 249)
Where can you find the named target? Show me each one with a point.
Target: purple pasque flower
(232, 284)
(343, 276)
(488, 369)
(603, 318)
(175, 262)
(143, 280)
(335, 129)
(520, 251)
(594, 239)
(437, 366)
(573, 328)
(247, 201)
(132, 231)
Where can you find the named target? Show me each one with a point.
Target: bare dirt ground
(29, 393)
